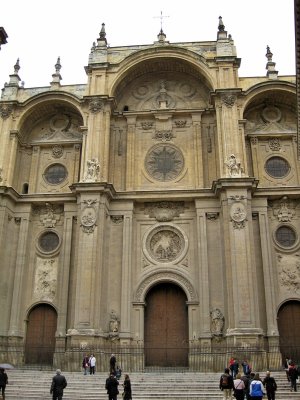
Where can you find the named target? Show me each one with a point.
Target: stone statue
(234, 166)
(114, 324)
(217, 322)
(93, 169)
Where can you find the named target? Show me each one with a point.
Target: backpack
(225, 380)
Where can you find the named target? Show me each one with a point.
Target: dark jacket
(226, 382)
(270, 384)
(3, 379)
(293, 373)
(58, 384)
(112, 386)
(127, 389)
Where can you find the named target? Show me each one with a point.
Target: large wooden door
(40, 338)
(289, 328)
(166, 327)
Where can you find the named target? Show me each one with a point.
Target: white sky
(41, 30)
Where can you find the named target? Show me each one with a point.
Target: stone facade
(165, 167)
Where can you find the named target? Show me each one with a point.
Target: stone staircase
(35, 384)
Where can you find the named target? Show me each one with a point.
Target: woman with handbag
(239, 386)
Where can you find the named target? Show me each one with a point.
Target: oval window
(285, 236)
(277, 167)
(48, 242)
(55, 174)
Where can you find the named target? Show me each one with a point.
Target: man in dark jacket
(226, 384)
(58, 384)
(3, 381)
(112, 387)
(270, 385)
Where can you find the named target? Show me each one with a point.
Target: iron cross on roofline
(161, 19)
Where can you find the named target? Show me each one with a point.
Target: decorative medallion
(164, 162)
(238, 215)
(88, 216)
(166, 244)
(271, 114)
(60, 122)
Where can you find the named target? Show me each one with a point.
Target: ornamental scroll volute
(89, 215)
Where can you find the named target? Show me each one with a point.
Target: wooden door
(289, 328)
(166, 327)
(40, 338)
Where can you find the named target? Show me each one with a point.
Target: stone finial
(161, 37)
(222, 34)
(56, 76)
(14, 78)
(102, 37)
(270, 66)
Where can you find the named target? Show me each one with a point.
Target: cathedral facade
(154, 209)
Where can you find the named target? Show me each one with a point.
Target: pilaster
(130, 172)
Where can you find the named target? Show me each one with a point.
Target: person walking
(270, 385)
(112, 364)
(256, 388)
(92, 364)
(111, 386)
(59, 383)
(239, 386)
(85, 364)
(226, 384)
(127, 388)
(3, 381)
(293, 374)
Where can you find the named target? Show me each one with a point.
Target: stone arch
(288, 318)
(165, 276)
(140, 62)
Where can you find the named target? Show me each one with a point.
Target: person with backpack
(256, 388)
(270, 385)
(226, 384)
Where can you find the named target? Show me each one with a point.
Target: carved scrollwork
(96, 105)
(164, 211)
(45, 279)
(229, 100)
(164, 135)
(5, 110)
(147, 125)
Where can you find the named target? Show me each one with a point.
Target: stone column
(229, 139)
(16, 327)
(126, 303)
(196, 118)
(203, 271)
(130, 160)
(239, 262)
(268, 271)
(106, 145)
(12, 157)
(63, 272)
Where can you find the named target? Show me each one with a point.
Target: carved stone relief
(5, 110)
(275, 144)
(164, 210)
(164, 135)
(165, 244)
(45, 279)
(95, 105)
(212, 216)
(147, 125)
(229, 100)
(117, 219)
(49, 214)
(180, 123)
(289, 272)
(59, 127)
(57, 151)
(284, 210)
(89, 216)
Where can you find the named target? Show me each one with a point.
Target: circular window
(48, 242)
(277, 167)
(55, 174)
(285, 236)
(164, 162)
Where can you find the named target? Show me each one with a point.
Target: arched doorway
(166, 327)
(289, 328)
(40, 337)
